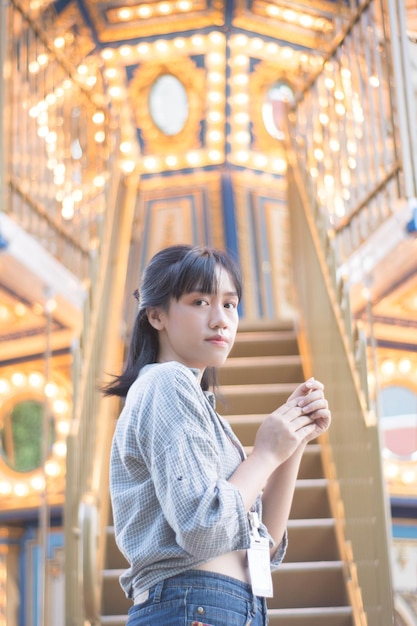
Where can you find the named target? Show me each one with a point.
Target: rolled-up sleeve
(205, 511)
(279, 553)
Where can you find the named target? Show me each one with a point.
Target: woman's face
(199, 329)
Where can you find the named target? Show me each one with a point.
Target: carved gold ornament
(192, 79)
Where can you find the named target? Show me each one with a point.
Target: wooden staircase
(262, 370)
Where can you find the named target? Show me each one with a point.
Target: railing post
(3, 46)
(405, 98)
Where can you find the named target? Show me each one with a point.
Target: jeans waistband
(199, 578)
(204, 577)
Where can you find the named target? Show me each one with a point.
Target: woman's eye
(200, 302)
(230, 305)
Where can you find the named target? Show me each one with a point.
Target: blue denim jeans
(198, 598)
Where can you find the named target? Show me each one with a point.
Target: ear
(154, 315)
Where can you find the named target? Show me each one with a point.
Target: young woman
(200, 524)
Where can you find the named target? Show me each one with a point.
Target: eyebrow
(202, 291)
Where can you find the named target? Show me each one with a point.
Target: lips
(218, 340)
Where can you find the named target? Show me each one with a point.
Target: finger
(323, 415)
(306, 387)
(309, 432)
(291, 403)
(303, 421)
(301, 390)
(312, 395)
(297, 414)
(314, 406)
(313, 383)
(290, 407)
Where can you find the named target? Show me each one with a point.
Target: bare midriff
(232, 564)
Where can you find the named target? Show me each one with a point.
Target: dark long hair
(172, 272)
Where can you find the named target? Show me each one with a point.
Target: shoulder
(167, 399)
(165, 383)
(167, 376)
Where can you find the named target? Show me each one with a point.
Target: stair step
(113, 620)
(114, 558)
(309, 584)
(113, 598)
(312, 540)
(311, 616)
(261, 369)
(265, 343)
(311, 463)
(311, 499)
(244, 399)
(245, 427)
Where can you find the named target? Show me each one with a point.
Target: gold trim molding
(264, 77)
(197, 17)
(20, 489)
(193, 80)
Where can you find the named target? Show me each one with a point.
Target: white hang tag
(259, 561)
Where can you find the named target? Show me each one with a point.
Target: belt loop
(253, 605)
(158, 591)
(264, 610)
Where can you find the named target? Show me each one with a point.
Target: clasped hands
(302, 418)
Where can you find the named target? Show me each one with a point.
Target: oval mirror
(274, 108)
(399, 420)
(168, 104)
(21, 436)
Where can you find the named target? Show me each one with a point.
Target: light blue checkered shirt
(171, 458)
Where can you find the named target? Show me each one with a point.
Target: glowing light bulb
(36, 379)
(128, 166)
(21, 489)
(5, 488)
(60, 449)
(18, 379)
(4, 386)
(125, 14)
(387, 367)
(52, 468)
(404, 366)
(38, 483)
(51, 390)
(98, 117)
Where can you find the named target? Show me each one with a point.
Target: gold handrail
(352, 447)
(3, 40)
(87, 499)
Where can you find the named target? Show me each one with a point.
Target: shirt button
(200, 610)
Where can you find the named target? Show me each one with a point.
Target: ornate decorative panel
(179, 210)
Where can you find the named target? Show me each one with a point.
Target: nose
(218, 318)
